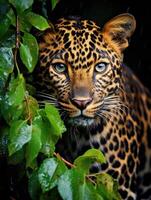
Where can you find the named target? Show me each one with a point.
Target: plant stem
(29, 118)
(64, 160)
(17, 41)
(92, 181)
(95, 174)
(73, 166)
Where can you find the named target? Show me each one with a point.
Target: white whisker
(46, 96)
(112, 106)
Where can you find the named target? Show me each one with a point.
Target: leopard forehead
(79, 42)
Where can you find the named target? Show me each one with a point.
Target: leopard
(102, 102)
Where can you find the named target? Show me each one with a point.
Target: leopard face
(81, 66)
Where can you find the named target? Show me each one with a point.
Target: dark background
(137, 56)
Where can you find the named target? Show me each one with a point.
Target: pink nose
(81, 104)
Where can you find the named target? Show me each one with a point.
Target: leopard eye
(101, 67)
(59, 67)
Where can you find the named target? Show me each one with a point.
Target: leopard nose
(82, 103)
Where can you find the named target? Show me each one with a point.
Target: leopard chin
(81, 121)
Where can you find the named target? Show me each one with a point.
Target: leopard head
(80, 67)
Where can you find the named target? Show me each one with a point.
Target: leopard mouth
(81, 121)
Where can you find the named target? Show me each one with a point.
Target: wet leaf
(47, 139)
(8, 40)
(6, 61)
(4, 24)
(21, 5)
(49, 171)
(73, 186)
(16, 93)
(88, 158)
(24, 24)
(37, 21)
(57, 125)
(34, 188)
(11, 113)
(107, 187)
(53, 3)
(19, 135)
(12, 101)
(11, 16)
(34, 145)
(6, 65)
(30, 107)
(29, 51)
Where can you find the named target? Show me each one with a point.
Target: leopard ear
(118, 30)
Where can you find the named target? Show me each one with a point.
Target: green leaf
(34, 188)
(47, 139)
(21, 5)
(56, 123)
(8, 40)
(49, 172)
(4, 7)
(30, 107)
(37, 21)
(16, 92)
(73, 186)
(6, 61)
(88, 158)
(107, 187)
(34, 145)
(12, 102)
(31, 89)
(29, 51)
(53, 3)
(20, 134)
(24, 25)
(11, 16)
(6, 65)
(4, 24)
(11, 113)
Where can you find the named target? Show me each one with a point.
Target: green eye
(101, 67)
(59, 67)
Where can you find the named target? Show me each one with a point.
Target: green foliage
(49, 171)
(29, 134)
(37, 21)
(29, 51)
(73, 185)
(53, 3)
(107, 187)
(88, 158)
(6, 61)
(19, 135)
(34, 145)
(21, 5)
(54, 118)
(6, 65)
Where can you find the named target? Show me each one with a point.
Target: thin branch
(17, 42)
(64, 160)
(92, 181)
(73, 166)
(94, 175)
(28, 110)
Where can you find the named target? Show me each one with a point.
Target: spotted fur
(101, 101)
